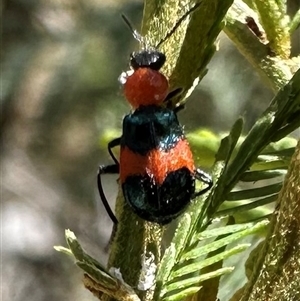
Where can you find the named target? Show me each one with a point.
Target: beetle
(156, 169)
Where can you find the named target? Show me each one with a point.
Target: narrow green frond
(215, 232)
(254, 192)
(287, 150)
(286, 144)
(234, 135)
(223, 156)
(229, 142)
(197, 266)
(254, 215)
(242, 207)
(198, 279)
(287, 129)
(172, 253)
(193, 281)
(181, 294)
(295, 23)
(283, 106)
(78, 252)
(254, 176)
(99, 276)
(267, 162)
(63, 250)
(217, 244)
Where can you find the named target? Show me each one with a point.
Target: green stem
(275, 71)
(275, 22)
(295, 23)
(273, 276)
(135, 249)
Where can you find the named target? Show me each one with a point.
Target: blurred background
(59, 95)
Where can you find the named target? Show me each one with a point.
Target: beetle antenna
(134, 32)
(178, 23)
(141, 39)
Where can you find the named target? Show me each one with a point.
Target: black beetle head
(152, 59)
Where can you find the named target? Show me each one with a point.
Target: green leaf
(215, 232)
(96, 278)
(234, 135)
(295, 23)
(197, 266)
(253, 176)
(217, 244)
(172, 253)
(270, 162)
(229, 142)
(242, 207)
(63, 250)
(279, 150)
(79, 253)
(253, 193)
(99, 276)
(192, 281)
(283, 106)
(181, 294)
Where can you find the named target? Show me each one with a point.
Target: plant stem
(274, 70)
(295, 23)
(135, 249)
(274, 275)
(275, 22)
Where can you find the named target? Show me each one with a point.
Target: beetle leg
(179, 108)
(111, 144)
(172, 94)
(108, 169)
(202, 176)
(169, 98)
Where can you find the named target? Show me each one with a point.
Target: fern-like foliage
(262, 161)
(199, 242)
(183, 278)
